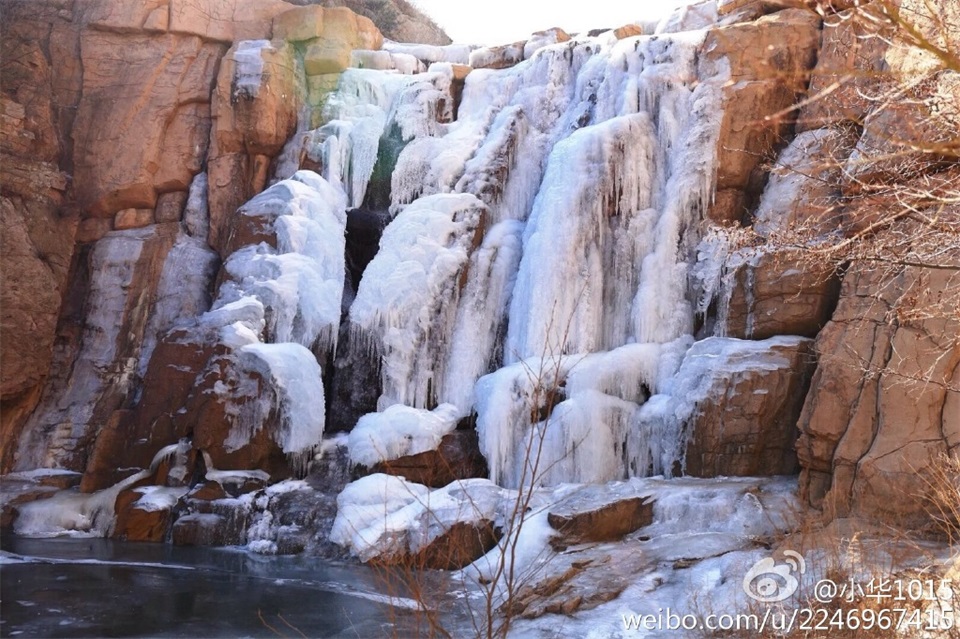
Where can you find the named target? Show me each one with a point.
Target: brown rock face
(135, 523)
(156, 97)
(849, 70)
(202, 529)
(36, 238)
(769, 62)
(459, 546)
(579, 523)
(457, 457)
(779, 293)
(97, 348)
(748, 426)
(218, 20)
(883, 404)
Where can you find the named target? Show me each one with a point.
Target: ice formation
(399, 431)
(384, 515)
(73, 513)
(659, 434)
(51, 435)
(248, 72)
(278, 311)
(371, 104)
(295, 378)
(456, 53)
(406, 305)
(535, 273)
(594, 159)
(183, 291)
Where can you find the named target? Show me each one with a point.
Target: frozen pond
(100, 588)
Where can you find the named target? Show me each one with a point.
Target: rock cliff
(240, 224)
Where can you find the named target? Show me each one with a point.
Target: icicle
(407, 300)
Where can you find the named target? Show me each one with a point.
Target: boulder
(201, 529)
(804, 186)
(208, 491)
(93, 229)
(627, 31)
(728, 7)
(170, 206)
(255, 103)
(225, 21)
(457, 457)
(733, 405)
(16, 491)
(140, 522)
(458, 546)
(912, 135)
(299, 24)
(342, 32)
(255, 106)
(541, 39)
(593, 514)
(746, 422)
(132, 219)
(689, 17)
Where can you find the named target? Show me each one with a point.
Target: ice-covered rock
(395, 521)
(399, 431)
(731, 409)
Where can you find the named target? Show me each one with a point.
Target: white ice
(248, 72)
(407, 300)
(399, 431)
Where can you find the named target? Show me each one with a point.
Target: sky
(502, 21)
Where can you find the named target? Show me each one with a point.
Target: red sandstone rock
(457, 457)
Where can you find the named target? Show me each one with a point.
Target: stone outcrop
(457, 457)
(885, 402)
(746, 424)
(157, 97)
(89, 254)
(769, 62)
(597, 514)
(36, 236)
(124, 183)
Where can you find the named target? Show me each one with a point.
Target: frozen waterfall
(548, 229)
